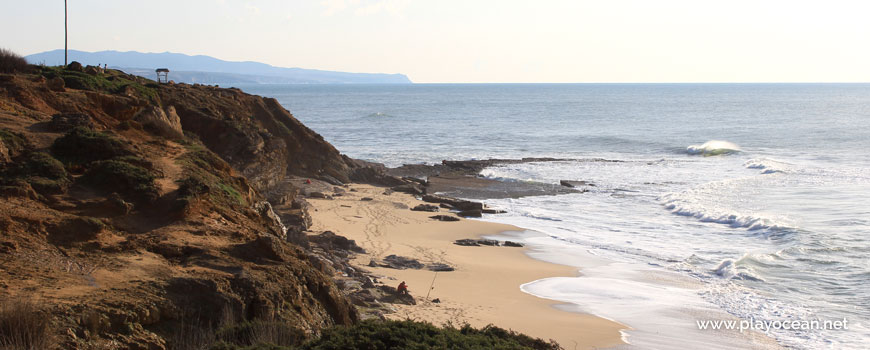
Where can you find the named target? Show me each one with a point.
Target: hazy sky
(478, 41)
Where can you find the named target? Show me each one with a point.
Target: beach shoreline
(485, 287)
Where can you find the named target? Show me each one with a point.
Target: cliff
(137, 214)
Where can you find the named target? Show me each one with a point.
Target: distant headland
(209, 70)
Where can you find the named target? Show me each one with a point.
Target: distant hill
(210, 70)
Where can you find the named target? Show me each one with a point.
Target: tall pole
(65, 35)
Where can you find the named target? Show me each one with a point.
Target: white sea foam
(767, 165)
(713, 148)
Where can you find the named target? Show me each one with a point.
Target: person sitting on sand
(402, 288)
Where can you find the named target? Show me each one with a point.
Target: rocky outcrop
(256, 135)
(164, 123)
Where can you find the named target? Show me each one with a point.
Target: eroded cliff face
(255, 135)
(137, 212)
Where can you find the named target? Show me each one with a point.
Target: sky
(477, 41)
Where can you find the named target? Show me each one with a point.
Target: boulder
(512, 244)
(447, 206)
(56, 84)
(444, 218)
(411, 188)
(489, 242)
(75, 66)
(425, 207)
(440, 267)
(458, 204)
(400, 262)
(575, 183)
(366, 199)
(467, 242)
(272, 220)
(163, 123)
(493, 211)
(374, 176)
(330, 241)
(92, 70)
(476, 213)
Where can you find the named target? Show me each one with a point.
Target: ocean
(710, 201)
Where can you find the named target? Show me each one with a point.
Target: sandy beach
(484, 288)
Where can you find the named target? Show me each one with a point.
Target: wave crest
(713, 148)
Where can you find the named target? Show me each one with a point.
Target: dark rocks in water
(375, 176)
(575, 184)
(467, 242)
(444, 218)
(493, 211)
(400, 262)
(425, 207)
(366, 199)
(414, 179)
(330, 241)
(411, 188)
(489, 242)
(440, 267)
(476, 213)
(512, 244)
(455, 203)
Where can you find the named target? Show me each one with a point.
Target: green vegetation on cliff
(383, 335)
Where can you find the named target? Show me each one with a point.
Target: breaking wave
(735, 220)
(767, 165)
(713, 148)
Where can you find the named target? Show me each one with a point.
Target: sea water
(743, 201)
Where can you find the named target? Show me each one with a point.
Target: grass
(368, 335)
(11, 62)
(82, 145)
(206, 176)
(13, 141)
(23, 326)
(109, 82)
(376, 335)
(43, 172)
(130, 181)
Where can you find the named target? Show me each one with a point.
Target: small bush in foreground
(11, 62)
(131, 181)
(24, 327)
(82, 145)
(376, 335)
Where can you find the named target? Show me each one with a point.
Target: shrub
(131, 181)
(24, 327)
(11, 62)
(113, 83)
(82, 145)
(39, 164)
(208, 175)
(376, 334)
(13, 141)
(260, 332)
